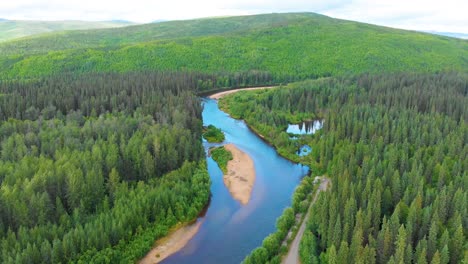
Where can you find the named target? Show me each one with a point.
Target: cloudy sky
(447, 15)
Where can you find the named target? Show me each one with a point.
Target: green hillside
(148, 32)
(13, 29)
(284, 46)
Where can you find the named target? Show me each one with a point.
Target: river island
(240, 175)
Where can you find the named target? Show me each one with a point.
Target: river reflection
(308, 127)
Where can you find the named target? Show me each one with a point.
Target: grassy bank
(222, 157)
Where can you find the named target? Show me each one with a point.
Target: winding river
(229, 231)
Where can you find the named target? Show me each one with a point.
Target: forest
(285, 47)
(395, 147)
(101, 149)
(93, 169)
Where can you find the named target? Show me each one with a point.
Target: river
(230, 231)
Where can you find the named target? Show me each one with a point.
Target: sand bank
(221, 94)
(171, 243)
(240, 175)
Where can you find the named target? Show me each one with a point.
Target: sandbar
(217, 96)
(171, 243)
(240, 176)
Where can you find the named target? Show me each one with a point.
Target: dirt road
(293, 255)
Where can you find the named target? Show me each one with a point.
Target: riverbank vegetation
(95, 169)
(270, 122)
(275, 246)
(395, 147)
(222, 156)
(213, 134)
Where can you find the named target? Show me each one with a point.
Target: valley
(199, 141)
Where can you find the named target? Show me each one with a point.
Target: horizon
(455, 34)
(415, 15)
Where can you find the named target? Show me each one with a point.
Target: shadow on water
(229, 230)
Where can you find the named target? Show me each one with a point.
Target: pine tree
(422, 258)
(456, 245)
(337, 234)
(400, 245)
(436, 258)
(444, 255)
(332, 256)
(343, 253)
(432, 240)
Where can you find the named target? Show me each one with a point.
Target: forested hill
(150, 32)
(286, 47)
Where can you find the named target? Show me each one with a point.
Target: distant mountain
(285, 47)
(12, 29)
(449, 34)
(121, 21)
(159, 21)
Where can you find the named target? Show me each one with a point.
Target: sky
(430, 15)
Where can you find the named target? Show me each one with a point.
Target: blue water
(309, 127)
(229, 231)
(304, 150)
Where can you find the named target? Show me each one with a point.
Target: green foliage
(213, 134)
(286, 47)
(255, 108)
(393, 145)
(275, 244)
(95, 169)
(268, 251)
(222, 156)
(113, 38)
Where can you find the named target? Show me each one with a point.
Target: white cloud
(449, 15)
